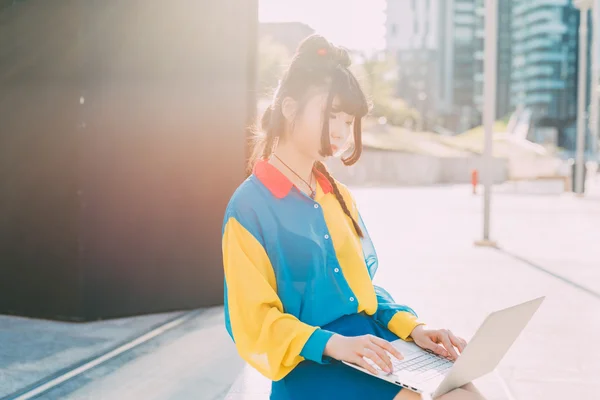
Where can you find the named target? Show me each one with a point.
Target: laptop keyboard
(418, 366)
(423, 365)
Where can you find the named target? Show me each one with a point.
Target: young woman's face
(306, 133)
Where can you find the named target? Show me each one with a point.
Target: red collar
(279, 184)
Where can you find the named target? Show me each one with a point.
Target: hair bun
(315, 50)
(343, 57)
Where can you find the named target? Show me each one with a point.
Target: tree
(377, 74)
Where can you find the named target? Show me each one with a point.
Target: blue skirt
(310, 380)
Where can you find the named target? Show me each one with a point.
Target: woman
(298, 259)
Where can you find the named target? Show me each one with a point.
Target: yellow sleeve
(401, 323)
(266, 337)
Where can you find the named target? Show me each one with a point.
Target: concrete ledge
(540, 186)
(379, 167)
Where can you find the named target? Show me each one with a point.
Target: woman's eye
(349, 123)
(332, 116)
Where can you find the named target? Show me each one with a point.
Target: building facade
(503, 57)
(411, 40)
(438, 45)
(544, 65)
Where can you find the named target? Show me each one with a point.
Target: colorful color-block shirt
(293, 264)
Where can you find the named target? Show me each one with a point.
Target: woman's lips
(334, 148)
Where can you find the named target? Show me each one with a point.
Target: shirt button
(351, 298)
(326, 236)
(336, 270)
(316, 206)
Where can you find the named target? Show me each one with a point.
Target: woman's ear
(289, 107)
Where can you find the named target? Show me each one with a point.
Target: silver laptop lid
(488, 346)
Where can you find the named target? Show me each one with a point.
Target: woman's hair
(316, 64)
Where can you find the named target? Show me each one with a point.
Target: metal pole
(595, 76)
(489, 109)
(581, 85)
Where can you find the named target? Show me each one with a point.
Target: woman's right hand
(353, 349)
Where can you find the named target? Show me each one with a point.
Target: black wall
(122, 137)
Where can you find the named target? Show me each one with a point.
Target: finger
(456, 342)
(436, 348)
(448, 345)
(373, 356)
(463, 341)
(380, 351)
(388, 347)
(362, 363)
(439, 350)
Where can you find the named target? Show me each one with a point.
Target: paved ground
(548, 247)
(195, 361)
(31, 349)
(424, 237)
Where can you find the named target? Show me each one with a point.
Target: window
(462, 34)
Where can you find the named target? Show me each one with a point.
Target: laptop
(431, 375)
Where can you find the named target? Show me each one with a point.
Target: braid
(268, 145)
(272, 124)
(322, 169)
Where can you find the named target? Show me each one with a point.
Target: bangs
(352, 100)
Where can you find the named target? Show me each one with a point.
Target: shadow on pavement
(548, 272)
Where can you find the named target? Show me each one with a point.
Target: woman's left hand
(431, 339)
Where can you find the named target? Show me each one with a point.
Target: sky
(355, 24)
